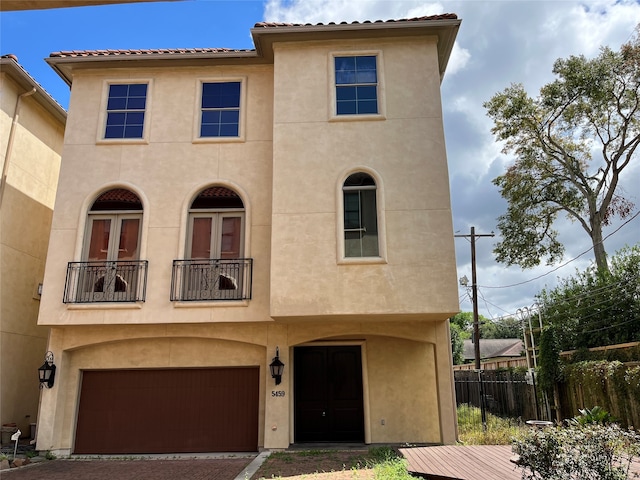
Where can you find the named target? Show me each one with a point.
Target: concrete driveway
(187, 468)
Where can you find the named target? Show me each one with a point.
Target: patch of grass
(392, 469)
(381, 455)
(282, 456)
(383, 462)
(500, 431)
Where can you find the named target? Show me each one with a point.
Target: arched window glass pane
(360, 216)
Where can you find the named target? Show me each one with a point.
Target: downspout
(12, 132)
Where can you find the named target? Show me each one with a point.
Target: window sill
(357, 118)
(211, 304)
(218, 140)
(105, 306)
(362, 261)
(122, 141)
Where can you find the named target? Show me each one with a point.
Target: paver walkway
(187, 469)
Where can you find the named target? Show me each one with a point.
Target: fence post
(483, 408)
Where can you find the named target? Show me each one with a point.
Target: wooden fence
(494, 364)
(506, 393)
(616, 388)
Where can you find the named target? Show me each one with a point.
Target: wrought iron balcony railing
(111, 281)
(214, 279)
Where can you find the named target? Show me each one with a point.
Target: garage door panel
(168, 411)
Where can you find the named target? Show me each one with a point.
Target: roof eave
(27, 82)
(64, 66)
(445, 29)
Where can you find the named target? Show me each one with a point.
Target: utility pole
(476, 321)
(474, 291)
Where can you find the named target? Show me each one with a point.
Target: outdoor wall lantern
(276, 367)
(47, 372)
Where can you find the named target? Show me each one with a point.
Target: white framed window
(360, 216)
(357, 87)
(220, 113)
(125, 112)
(361, 226)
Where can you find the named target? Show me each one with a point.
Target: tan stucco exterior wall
(33, 157)
(403, 149)
(289, 169)
(402, 403)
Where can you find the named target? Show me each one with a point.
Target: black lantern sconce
(276, 367)
(47, 372)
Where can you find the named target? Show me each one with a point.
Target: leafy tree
(464, 321)
(596, 308)
(461, 326)
(457, 344)
(571, 144)
(507, 327)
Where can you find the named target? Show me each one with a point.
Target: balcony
(211, 280)
(112, 281)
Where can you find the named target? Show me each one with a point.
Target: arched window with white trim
(360, 216)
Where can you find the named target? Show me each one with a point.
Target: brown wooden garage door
(168, 411)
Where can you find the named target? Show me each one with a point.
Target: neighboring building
(31, 138)
(219, 206)
(494, 349)
(11, 5)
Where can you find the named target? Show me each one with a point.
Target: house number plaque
(277, 393)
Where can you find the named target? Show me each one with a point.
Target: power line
(563, 264)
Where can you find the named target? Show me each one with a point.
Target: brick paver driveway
(144, 469)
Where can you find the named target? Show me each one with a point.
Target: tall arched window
(111, 269)
(214, 267)
(360, 216)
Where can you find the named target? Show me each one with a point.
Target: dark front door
(328, 394)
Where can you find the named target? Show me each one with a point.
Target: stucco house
(224, 211)
(31, 136)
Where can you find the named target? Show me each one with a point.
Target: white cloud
(458, 60)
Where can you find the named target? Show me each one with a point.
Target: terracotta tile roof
(259, 25)
(140, 53)
(444, 16)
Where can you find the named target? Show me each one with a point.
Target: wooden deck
(476, 462)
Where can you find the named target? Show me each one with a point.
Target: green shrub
(595, 415)
(579, 452)
(382, 454)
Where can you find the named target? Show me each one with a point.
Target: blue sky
(499, 43)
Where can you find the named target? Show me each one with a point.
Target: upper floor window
(214, 267)
(360, 216)
(220, 109)
(356, 80)
(126, 105)
(114, 227)
(111, 269)
(216, 223)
